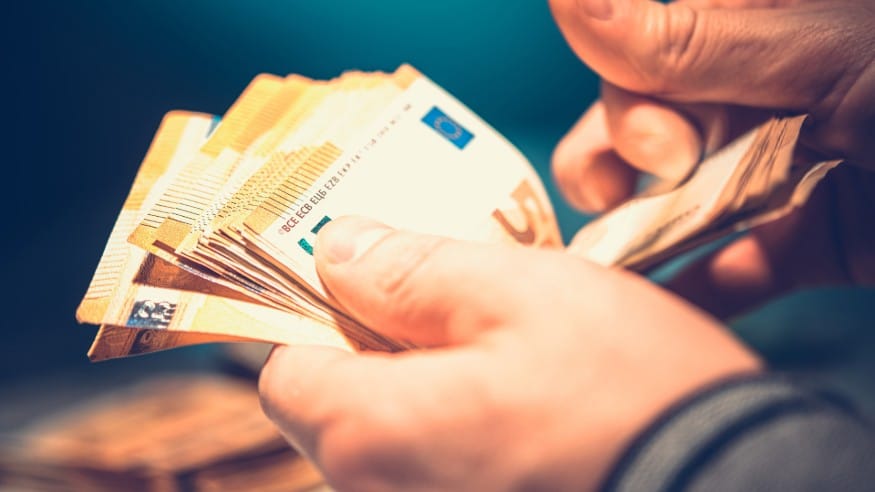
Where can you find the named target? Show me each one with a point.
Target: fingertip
(290, 373)
(567, 169)
(588, 135)
(274, 375)
(268, 381)
(652, 136)
(590, 176)
(303, 389)
(605, 183)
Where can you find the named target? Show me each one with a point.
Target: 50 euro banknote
(149, 299)
(214, 243)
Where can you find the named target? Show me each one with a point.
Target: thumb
(754, 57)
(428, 290)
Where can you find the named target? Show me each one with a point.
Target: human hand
(539, 367)
(683, 79)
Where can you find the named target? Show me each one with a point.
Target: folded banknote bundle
(215, 240)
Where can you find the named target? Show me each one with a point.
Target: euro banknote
(167, 433)
(215, 241)
(753, 180)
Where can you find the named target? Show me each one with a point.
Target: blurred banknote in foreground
(215, 240)
(170, 433)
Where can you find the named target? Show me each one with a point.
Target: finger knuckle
(646, 138)
(679, 47)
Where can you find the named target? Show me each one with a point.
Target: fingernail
(597, 9)
(348, 238)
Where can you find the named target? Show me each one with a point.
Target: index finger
(303, 388)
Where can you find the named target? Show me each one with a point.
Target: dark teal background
(86, 84)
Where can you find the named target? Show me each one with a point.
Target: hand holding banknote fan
(548, 367)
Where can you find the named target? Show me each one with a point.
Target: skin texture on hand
(682, 79)
(540, 367)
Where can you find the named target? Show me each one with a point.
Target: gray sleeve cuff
(755, 433)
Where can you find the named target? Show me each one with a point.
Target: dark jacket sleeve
(754, 434)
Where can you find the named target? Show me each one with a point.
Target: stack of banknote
(215, 240)
(171, 433)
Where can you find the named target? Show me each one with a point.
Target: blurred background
(88, 82)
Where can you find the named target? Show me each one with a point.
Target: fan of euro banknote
(215, 240)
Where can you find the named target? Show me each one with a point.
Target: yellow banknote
(134, 289)
(215, 242)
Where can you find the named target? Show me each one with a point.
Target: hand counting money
(215, 241)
